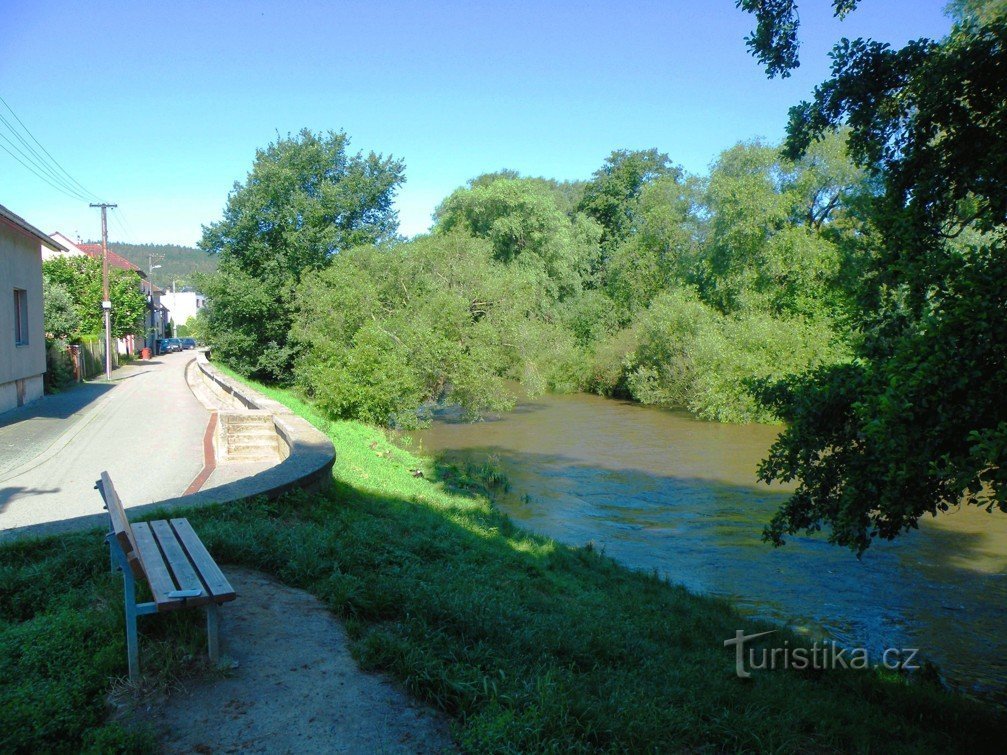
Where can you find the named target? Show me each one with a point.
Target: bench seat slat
(185, 576)
(158, 575)
(210, 573)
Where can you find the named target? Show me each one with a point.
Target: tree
(772, 242)
(610, 196)
(80, 277)
(304, 201)
(62, 323)
(387, 330)
(917, 422)
(522, 220)
(660, 250)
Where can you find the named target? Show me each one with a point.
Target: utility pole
(106, 302)
(154, 315)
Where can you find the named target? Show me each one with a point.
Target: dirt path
(296, 688)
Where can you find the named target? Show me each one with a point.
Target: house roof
(18, 223)
(114, 260)
(66, 242)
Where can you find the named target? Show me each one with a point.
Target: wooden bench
(171, 559)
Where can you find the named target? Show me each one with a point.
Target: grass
(528, 644)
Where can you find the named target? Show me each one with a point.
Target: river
(661, 490)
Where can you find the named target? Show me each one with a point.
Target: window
(20, 317)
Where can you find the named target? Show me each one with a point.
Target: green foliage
(59, 312)
(385, 330)
(663, 246)
(916, 423)
(774, 41)
(610, 196)
(548, 283)
(59, 369)
(523, 220)
(304, 201)
(689, 355)
(80, 279)
(196, 326)
(775, 238)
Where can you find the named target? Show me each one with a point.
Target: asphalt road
(145, 429)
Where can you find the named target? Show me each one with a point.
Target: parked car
(168, 345)
(188, 343)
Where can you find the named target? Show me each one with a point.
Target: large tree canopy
(917, 422)
(304, 200)
(526, 225)
(610, 196)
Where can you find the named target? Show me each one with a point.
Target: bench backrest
(121, 530)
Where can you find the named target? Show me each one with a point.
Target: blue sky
(160, 106)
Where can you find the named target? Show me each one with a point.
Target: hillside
(178, 263)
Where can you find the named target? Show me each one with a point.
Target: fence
(76, 362)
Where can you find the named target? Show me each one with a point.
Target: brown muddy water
(661, 490)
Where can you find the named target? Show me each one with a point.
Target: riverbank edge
(530, 645)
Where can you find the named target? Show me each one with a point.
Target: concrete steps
(247, 435)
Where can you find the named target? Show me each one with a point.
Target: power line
(54, 160)
(125, 219)
(117, 216)
(53, 177)
(43, 177)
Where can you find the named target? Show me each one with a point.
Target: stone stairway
(242, 435)
(246, 435)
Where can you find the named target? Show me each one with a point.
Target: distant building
(182, 305)
(22, 332)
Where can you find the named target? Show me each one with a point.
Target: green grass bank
(528, 644)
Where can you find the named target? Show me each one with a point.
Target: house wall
(21, 367)
(71, 248)
(183, 305)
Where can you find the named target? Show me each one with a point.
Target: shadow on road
(60, 405)
(9, 494)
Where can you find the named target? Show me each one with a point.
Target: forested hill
(178, 263)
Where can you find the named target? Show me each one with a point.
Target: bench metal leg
(132, 609)
(132, 643)
(213, 632)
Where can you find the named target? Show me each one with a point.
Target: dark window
(20, 317)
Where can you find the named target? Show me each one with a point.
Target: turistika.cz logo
(819, 655)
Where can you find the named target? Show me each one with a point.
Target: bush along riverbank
(528, 644)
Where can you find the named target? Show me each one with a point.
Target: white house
(182, 305)
(22, 332)
(69, 248)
